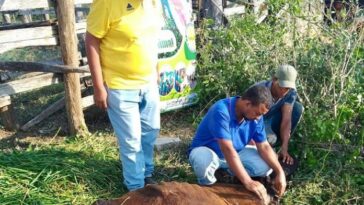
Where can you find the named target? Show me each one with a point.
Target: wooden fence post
(46, 15)
(7, 115)
(26, 16)
(7, 18)
(68, 42)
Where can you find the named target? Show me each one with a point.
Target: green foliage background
(330, 64)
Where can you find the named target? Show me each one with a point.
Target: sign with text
(177, 56)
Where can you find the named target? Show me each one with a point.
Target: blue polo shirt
(220, 123)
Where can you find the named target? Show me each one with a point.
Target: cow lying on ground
(175, 193)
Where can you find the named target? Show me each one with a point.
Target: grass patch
(76, 171)
(332, 180)
(27, 105)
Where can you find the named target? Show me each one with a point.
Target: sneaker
(149, 180)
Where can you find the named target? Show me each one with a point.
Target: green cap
(286, 75)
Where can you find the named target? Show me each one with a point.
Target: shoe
(149, 180)
(289, 169)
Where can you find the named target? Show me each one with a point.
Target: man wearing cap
(285, 113)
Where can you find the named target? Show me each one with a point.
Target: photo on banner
(177, 56)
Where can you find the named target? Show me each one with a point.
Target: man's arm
(93, 58)
(285, 133)
(233, 160)
(269, 156)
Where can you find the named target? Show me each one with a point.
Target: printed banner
(177, 56)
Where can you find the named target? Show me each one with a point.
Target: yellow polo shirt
(128, 30)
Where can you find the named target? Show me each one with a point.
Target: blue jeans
(135, 117)
(205, 162)
(273, 123)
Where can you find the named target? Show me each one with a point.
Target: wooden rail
(40, 36)
(42, 67)
(86, 102)
(11, 5)
(27, 84)
(37, 36)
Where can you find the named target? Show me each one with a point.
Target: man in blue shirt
(222, 136)
(285, 113)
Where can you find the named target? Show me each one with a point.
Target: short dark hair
(257, 95)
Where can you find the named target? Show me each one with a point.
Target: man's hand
(233, 160)
(258, 189)
(270, 157)
(100, 97)
(280, 184)
(286, 158)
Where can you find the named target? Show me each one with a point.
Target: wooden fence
(45, 23)
(19, 30)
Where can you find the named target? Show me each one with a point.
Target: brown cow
(175, 193)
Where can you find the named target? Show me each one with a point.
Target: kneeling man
(222, 136)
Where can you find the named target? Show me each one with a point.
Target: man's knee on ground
(204, 163)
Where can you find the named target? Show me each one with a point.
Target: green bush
(330, 64)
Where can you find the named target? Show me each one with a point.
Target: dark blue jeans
(273, 123)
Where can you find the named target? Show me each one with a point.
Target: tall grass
(76, 171)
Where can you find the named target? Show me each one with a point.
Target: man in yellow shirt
(121, 44)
